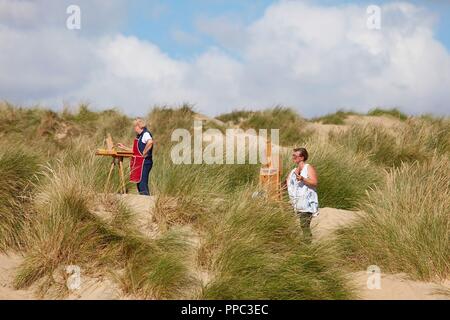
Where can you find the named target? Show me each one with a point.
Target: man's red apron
(136, 163)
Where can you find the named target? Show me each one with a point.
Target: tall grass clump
(83, 116)
(292, 127)
(64, 230)
(344, 176)
(69, 228)
(97, 125)
(163, 120)
(114, 123)
(431, 132)
(188, 194)
(383, 146)
(18, 169)
(159, 269)
(258, 252)
(19, 120)
(406, 227)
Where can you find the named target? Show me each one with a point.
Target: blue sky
(157, 20)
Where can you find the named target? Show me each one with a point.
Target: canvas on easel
(270, 174)
(117, 160)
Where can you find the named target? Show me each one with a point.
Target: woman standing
(302, 184)
(142, 161)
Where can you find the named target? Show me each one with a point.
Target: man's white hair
(139, 122)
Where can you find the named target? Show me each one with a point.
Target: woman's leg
(305, 222)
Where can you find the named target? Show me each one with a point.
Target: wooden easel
(270, 175)
(117, 160)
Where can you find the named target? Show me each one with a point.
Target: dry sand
(8, 266)
(399, 287)
(91, 288)
(143, 206)
(329, 220)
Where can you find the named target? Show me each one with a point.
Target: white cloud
(312, 57)
(227, 29)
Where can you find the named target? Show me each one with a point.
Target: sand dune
(393, 286)
(91, 288)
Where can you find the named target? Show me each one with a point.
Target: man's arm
(147, 148)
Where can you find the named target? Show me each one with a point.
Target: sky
(223, 55)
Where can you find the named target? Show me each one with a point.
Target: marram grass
(406, 226)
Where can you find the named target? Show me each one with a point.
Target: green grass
(185, 192)
(292, 127)
(66, 230)
(383, 146)
(416, 140)
(259, 253)
(431, 132)
(84, 115)
(406, 225)
(337, 118)
(253, 249)
(158, 270)
(235, 117)
(344, 176)
(18, 169)
(396, 113)
(23, 121)
(163, 120)
(207, 220)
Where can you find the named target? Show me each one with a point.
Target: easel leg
(122, 178)
(113, 164)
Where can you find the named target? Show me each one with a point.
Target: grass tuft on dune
(18, 169)
(66, 230)
(406, 227)
(344, 176)
(258, 252)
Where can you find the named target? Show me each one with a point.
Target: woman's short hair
(139, 122)
(303, 153)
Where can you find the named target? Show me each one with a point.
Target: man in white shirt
(142, 162)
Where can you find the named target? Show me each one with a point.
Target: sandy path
(91, 288)
(142, 206)
(8, 267)
(329, 220)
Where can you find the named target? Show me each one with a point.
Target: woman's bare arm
(312, 180)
